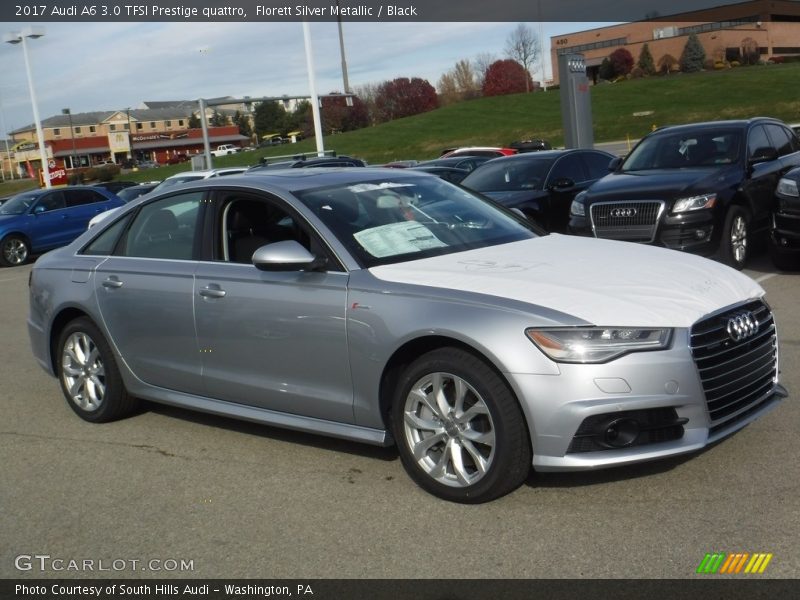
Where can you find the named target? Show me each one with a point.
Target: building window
(112, 127)
(169, 123)
(92, 128)
(77, 130)
(180, 123)
(126, 126)
(139, 126)
(56, 131)
(152, 124)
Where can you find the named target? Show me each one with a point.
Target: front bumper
(641, 383)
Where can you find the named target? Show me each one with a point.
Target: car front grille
(632, 221)
(788, 221)
(737, 376)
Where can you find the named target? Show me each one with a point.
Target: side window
(165, 229)
(567, 167)
(49, 202)
(81, 197)
(250, 222)
(780, 139)
(596, 164)
(757, 141)
(104, 244)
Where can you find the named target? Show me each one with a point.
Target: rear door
(49, 227)
(82, 205)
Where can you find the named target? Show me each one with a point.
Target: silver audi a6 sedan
(392, 307)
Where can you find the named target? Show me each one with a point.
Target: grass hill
(742, 92)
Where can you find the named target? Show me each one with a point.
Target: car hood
(603, 282)
(661, 184)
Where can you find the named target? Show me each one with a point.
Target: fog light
(621, 433)
(784, 242)
(700, 234)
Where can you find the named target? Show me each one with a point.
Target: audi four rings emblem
(742, 326)
(623, 212)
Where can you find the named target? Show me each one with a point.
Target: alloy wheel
(83, 372)
(15, 251)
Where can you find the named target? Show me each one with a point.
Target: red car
(479, 151)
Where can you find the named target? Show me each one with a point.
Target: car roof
(545, 154)
(730, 124)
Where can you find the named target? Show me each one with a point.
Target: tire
(89, 376)
(783, 260)
(14, 251)
(734, 243)
(471, 445)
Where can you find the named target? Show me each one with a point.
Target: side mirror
(287, 255)
(765, 154)
(562, 184)
(615, 163)
(38, 209)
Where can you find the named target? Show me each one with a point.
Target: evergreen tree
(694, 56)
(646, 62)
(194, 121)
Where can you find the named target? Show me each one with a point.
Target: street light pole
(21, 37)
(68, 112)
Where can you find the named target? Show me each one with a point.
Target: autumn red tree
(403, 97)
(506, 77)
(337, 116)
(621, 61)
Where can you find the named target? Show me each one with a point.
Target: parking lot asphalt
(232, 499)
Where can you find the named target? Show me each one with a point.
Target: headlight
(694, 203)
(578, 208)
(596, 344)
(788, 187)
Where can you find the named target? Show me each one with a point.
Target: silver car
(392, 307)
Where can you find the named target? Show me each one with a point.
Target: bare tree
(448, 92)
(481, 64)
(464, 78)
(522, 45)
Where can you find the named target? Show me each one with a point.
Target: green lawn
(680, 98)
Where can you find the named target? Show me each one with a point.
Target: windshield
(509, 175)
(685, 149)
(399, 219)
(19, 204)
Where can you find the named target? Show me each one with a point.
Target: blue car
(39, 220)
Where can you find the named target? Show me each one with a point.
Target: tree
(481, 64)
(367, 92)
(667, 64)
(694, 55)
(621, 62)
(646, 62)
(750, 52)
(269, 118)
(194, 122)
(336, 115)
(605, 71)
(448, 92)
(522, 45)
(243, 123)
(403, 97)
(506, 77)
(218, 119)
(464, 76)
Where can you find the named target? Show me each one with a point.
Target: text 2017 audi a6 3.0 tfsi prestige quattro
(392, 307)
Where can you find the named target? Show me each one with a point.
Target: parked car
(490, 151)
(530, 145)
(540, 184)
(131, 193)
(391, 307)
(177, 158)
(784, 243)
(705, 188)
(4, 198)
(39, 220)
(457, 162)
(187, 176)
(114, 186)
(451, 174)
(303, 162)
(225, 149)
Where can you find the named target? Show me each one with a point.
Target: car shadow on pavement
(274, 433)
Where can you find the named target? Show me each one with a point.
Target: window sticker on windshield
(397, 238)
(371, 187)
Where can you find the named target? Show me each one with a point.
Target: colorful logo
(723, 563)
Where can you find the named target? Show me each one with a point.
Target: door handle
(209, 292)
(112, 282)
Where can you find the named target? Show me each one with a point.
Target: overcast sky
(111, 66)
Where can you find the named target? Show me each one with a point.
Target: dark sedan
(541, 184)
(457, 162)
